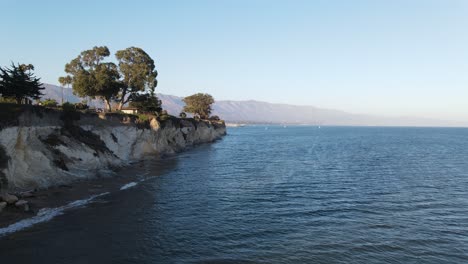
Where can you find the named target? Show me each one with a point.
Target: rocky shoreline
(57, 196)
(49, 158)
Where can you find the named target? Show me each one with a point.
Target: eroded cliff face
(47, 149)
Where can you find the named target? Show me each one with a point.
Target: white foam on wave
(46, 214)
(128, 185)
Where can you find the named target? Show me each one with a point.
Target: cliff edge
(42, 147)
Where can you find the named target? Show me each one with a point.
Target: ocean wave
(128, 185)
(46, 214)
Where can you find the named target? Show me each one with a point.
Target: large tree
(92, 77)
(138, 73)
(19, 83)
(199, 104)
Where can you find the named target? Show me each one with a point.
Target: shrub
(163, 116)
(146, 103)
(143, 117)
(68, 106)
(215, 118)
(69, 114)
(7, 100)
(49, 103)
(81, 106)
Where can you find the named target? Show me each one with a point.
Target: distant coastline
(257, 112)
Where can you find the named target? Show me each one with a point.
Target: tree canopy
(199, 104)
(92, 77)
(134, 76)
(138, 73)
(66, 80)
(19, 83)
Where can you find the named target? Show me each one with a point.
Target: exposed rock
(43, 151)
(9, 198)
(22, 204)
(2, 206)
(27, 194)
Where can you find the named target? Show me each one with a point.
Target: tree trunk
(122, 99)
(108, 105)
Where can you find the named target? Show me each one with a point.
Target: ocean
(274, 194)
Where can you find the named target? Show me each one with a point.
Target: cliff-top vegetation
(129, 82)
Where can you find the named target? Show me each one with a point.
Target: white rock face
(45, 154)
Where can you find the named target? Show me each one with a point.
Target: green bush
(7, 100)
(146, 103)
(49, 103)
(68, 106)
(143, 117)
(214, 118)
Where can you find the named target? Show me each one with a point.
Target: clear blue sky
(379, 57)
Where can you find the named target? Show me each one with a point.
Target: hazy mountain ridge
(262, 112)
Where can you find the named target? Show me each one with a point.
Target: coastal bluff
(41, 147)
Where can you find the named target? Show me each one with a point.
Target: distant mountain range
(262, 112)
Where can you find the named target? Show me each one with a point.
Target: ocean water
(276, 195)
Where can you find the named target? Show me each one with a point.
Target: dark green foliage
(138, 72)
(7, 100)
(214, 118)
(9, 114)
(69, 114)
(49, 103)
(73, 107)
(143, 117)
(146, 103)
(93, 78)
(166, 120)
(199, 104)
(183, 115)
(163, 116)
(81, 106)
(68, 107)
(19, 83)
